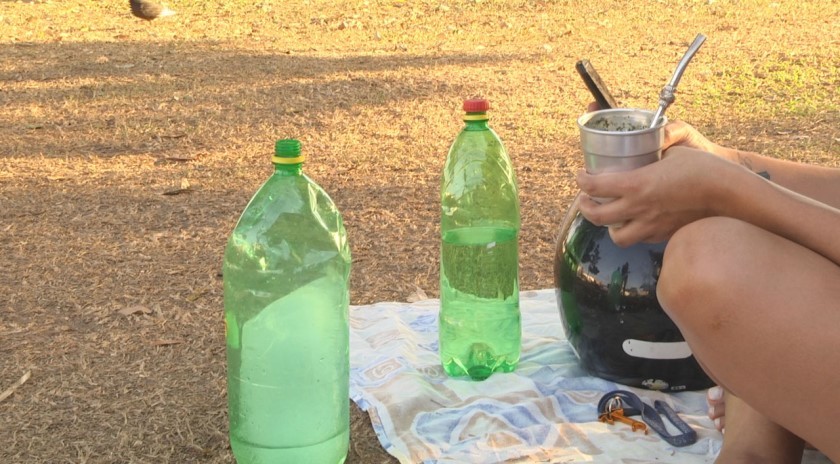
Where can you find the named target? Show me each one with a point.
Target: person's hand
(679, 133)
(654, 201)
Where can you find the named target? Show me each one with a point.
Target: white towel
(545, 411)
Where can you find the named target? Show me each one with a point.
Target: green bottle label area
(480, 327)
(481, 261)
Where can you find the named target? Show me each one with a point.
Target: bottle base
(332, 451)
(479, 373)
(482, 363)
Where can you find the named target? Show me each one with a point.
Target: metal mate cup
(620, 139)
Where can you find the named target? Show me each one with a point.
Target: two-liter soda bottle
(479, 321)
(286, 299)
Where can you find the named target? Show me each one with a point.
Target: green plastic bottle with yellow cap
(479, 321)
(286, 301)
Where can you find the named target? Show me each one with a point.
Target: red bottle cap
(476, 105)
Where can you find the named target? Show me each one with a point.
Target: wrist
(722, 190)
(729, 154)
(738, 190)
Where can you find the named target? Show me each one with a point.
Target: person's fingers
(602, 213)
(592, 106)
(585, 181)
(679, 133)
(618, 217)
(676, 132)
(605, 185)
(589, 208)
(628, 233)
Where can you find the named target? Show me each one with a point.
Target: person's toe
(720, 423)
(714, 395)
(716, 411)
(717, 406)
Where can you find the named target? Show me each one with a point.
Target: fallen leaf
(183, 188)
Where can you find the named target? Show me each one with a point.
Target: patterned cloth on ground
(542, 412)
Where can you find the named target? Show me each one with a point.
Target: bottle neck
(288, 169)
(476, 122)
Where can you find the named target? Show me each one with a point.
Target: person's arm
(783, 211)
(654, 201)
(818, 182)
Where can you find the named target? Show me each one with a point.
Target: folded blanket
(545, 411)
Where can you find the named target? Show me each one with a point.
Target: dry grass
(128, 150)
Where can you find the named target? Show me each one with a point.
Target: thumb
(676, 132)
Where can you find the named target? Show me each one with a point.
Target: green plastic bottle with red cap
(479, 320)
(286, 300)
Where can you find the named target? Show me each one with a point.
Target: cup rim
(586, 117)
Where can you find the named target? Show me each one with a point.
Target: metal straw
(666, 96)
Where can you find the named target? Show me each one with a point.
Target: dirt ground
(128, 150)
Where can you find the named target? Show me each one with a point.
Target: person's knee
(697, 263)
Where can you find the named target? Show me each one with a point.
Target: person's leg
(762, 315)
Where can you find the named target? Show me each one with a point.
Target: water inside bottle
(479, 320)
(282, 387)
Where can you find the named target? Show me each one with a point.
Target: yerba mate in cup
(619, 139)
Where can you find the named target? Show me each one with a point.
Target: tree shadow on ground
(108, 99)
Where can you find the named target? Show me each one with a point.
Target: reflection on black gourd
(607, 301)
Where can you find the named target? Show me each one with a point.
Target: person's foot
(716, 399)
(752, 437)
